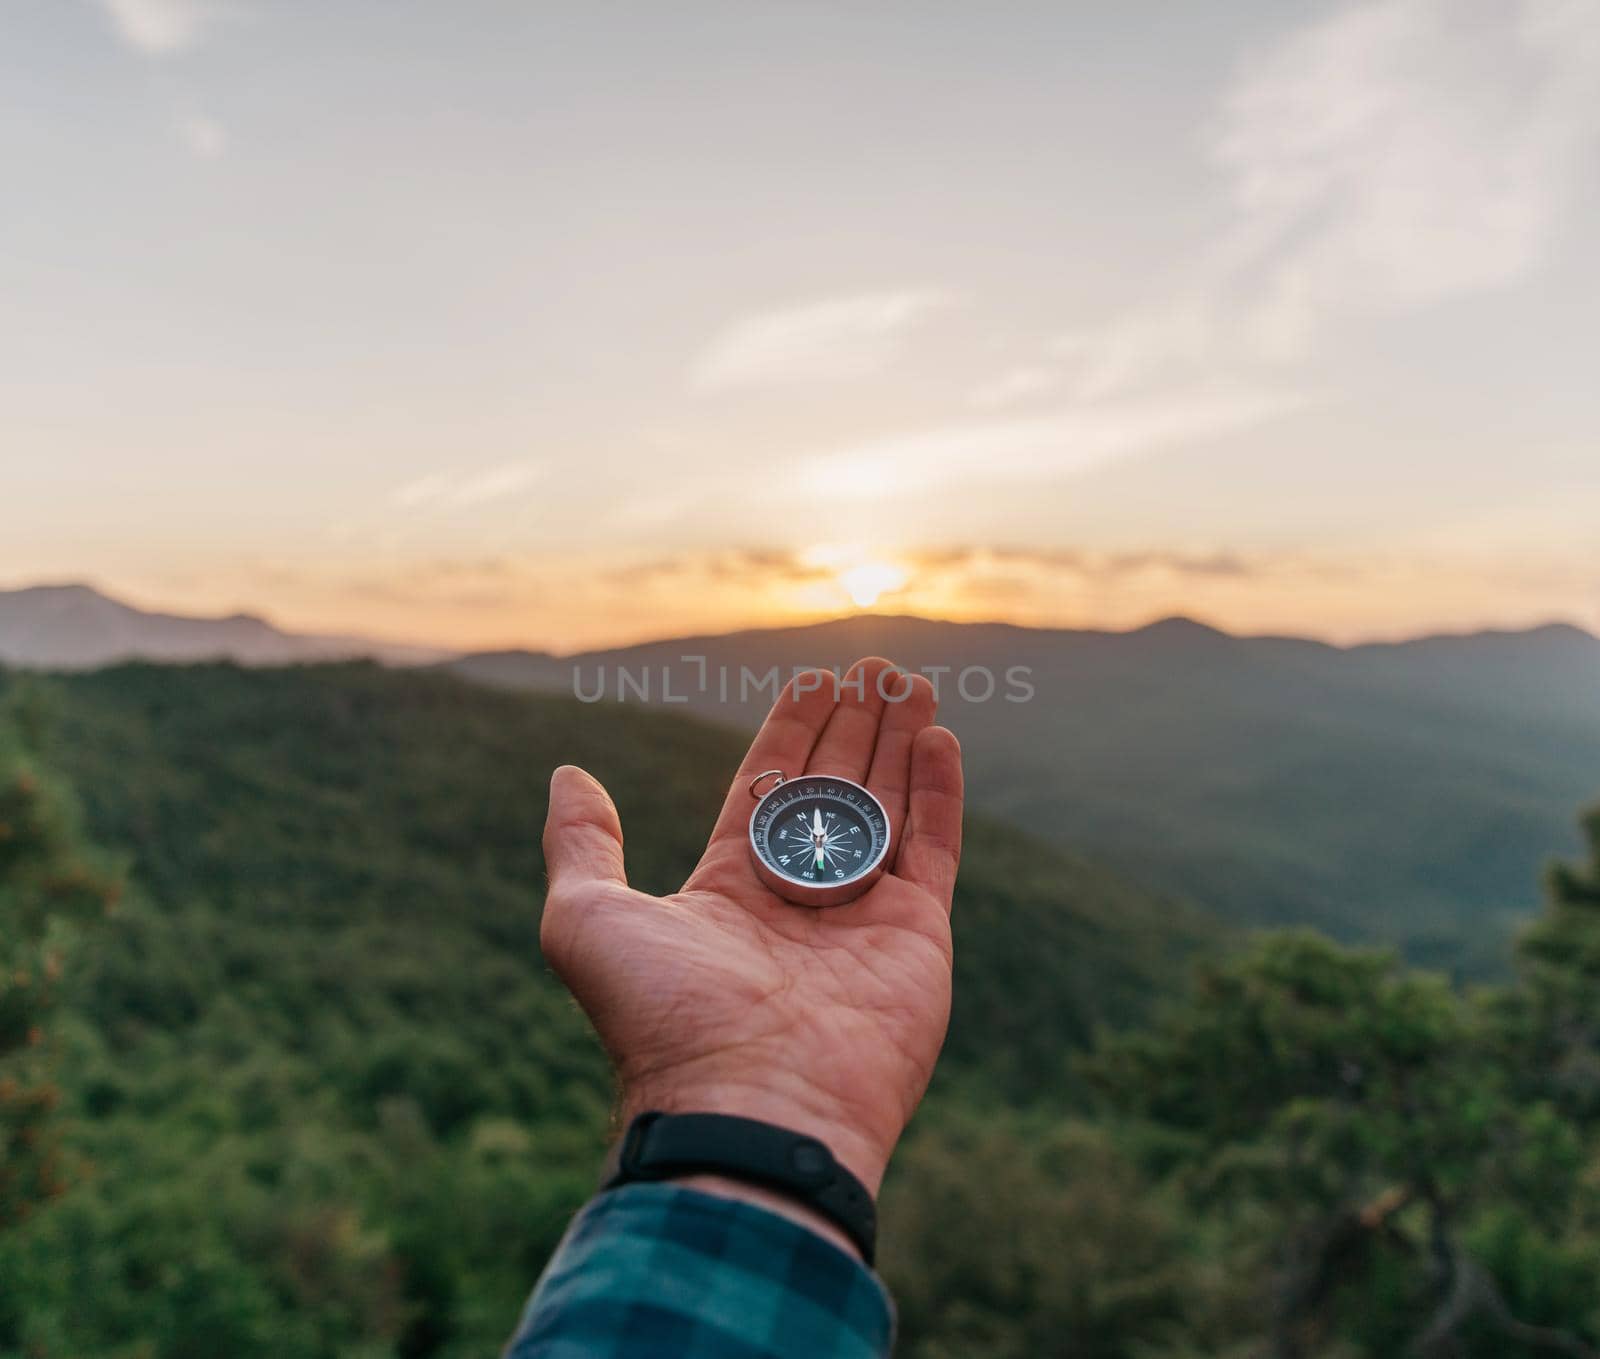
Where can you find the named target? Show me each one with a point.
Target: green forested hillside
(322, 1097)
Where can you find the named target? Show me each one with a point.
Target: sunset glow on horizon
(581, 604)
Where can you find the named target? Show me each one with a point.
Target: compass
(817, 839)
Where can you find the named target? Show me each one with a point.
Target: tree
(1356, 1134)
(1029, 1238)
(46, 885)
(1552, 1022)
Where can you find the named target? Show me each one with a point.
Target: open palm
(725, 998)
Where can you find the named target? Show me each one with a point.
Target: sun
(868, 581)
(862, 574)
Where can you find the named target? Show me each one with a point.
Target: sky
(566, 324)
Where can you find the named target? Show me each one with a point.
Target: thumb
(582, 835)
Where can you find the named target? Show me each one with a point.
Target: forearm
(703, 1267)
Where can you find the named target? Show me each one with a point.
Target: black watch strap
(660, 1146)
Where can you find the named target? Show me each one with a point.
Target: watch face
(818, 832)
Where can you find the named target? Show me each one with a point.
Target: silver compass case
(817, 839)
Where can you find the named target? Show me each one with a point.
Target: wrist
(774, 1202)
(862, 1151)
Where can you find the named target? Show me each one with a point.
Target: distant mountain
(1408, 792)
(75, 627)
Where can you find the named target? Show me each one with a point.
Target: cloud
(496, 483)
(766, 567)
(1012, 387)
(1395, 154)
(1108, 565)
(742, 565)
(422, 491)
(1387, 157)
(467, 488)
(1060, 444)
(204, 136)
(1167, 343)
(833, 340)
(160, 28)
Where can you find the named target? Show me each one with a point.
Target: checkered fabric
(671, 1273)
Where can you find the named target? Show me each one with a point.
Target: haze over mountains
(1408, 792)
(76, 627)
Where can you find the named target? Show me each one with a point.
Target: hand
(725, 998)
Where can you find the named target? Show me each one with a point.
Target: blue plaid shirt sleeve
(671, 1273)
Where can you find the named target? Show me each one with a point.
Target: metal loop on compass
(777, 774)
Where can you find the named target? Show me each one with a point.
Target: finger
(846, 744)
(931, 850)
(582, 834)
(909, 709)
(784, 742)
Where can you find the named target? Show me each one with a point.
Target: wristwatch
(662, 1146)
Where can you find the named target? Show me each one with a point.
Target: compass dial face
(818, 831)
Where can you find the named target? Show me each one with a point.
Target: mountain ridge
(108, 629)
(1171, 624)
(71, 625)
